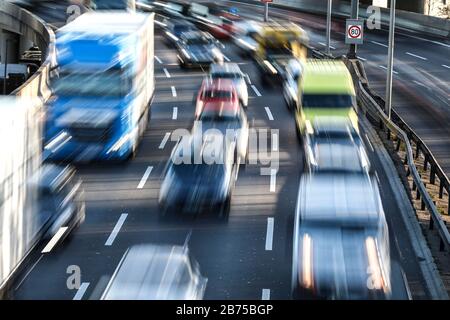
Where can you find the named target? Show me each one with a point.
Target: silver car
(244, 38)
(156, 272)
(341, 241)
(233, 72)
(293, 72)
(332, 144)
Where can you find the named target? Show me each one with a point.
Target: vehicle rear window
(218, 94)
(225, 75)
(327, 100)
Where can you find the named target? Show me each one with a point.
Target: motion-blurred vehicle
(341, 240)
(232, 72)
(226, 116)
(61, 198)
(156, 272)
(326, 89)
(217, 92)
(36, 199)
(245, 35)
(127, 5)
(332, 144)
(199, 178)
(198, 49)
(277, 45)
(292, 75)
(174, 28)
(104, 88)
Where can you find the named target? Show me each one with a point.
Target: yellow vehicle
(276, 45)
(325, 89)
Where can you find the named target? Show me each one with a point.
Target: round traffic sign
(354, 31)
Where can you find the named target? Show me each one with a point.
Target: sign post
(266, 9)
(355, 14)
(390, 65)
(354, 32)
(330, 3)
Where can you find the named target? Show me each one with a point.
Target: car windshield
(217, 115)
(225, 75)
(206, 173)
(218, 94)
(181, 28)
(102, 84)
(327, 100)
(278, 50)
(199, 41)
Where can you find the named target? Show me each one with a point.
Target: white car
(332, 144)
(232, 72)
(341, 239)
(156, 272)
(292, 75)
(244, 38)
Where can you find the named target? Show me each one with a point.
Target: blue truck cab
(103, 87)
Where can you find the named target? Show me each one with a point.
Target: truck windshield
(327, 101)
(104, 84)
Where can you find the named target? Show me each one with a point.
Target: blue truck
(103, 86)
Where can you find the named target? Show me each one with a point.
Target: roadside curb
(434, 285)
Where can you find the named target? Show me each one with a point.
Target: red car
(218, 94)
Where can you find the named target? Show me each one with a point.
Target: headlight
(271, 67)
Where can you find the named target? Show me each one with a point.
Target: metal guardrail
(373, 105)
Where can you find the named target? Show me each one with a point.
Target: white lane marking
(370, 143)
(174, 91)
(167, 73)
(175, 113)
(256, 90)
(446, 66)
(158, 59)
(248, 78)
(324, 44)
(29, 271)
(361, 58)
(416, 56)
(226, 58)
(81, 291)
(427, 40)
(116, 229)
(145, 177)
(419, 83)
(275, 141)
(54, 240)
(380, 44)
(405, 281)
(378, 178)
(269, 113)
(265, 294)
(164, 140)
(269, 234)
(273, 180)
(383, 67)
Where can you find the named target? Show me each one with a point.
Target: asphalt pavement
(241, 258)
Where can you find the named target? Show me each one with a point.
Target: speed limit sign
(355, 30)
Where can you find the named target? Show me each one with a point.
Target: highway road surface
(248, 257)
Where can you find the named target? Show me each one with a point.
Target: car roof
(332, 125)
(142, 270)
(339, 199)
(227, 67)
(327, 77)
(196, 34)
(218, 84)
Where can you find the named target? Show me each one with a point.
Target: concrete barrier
(406, 21)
